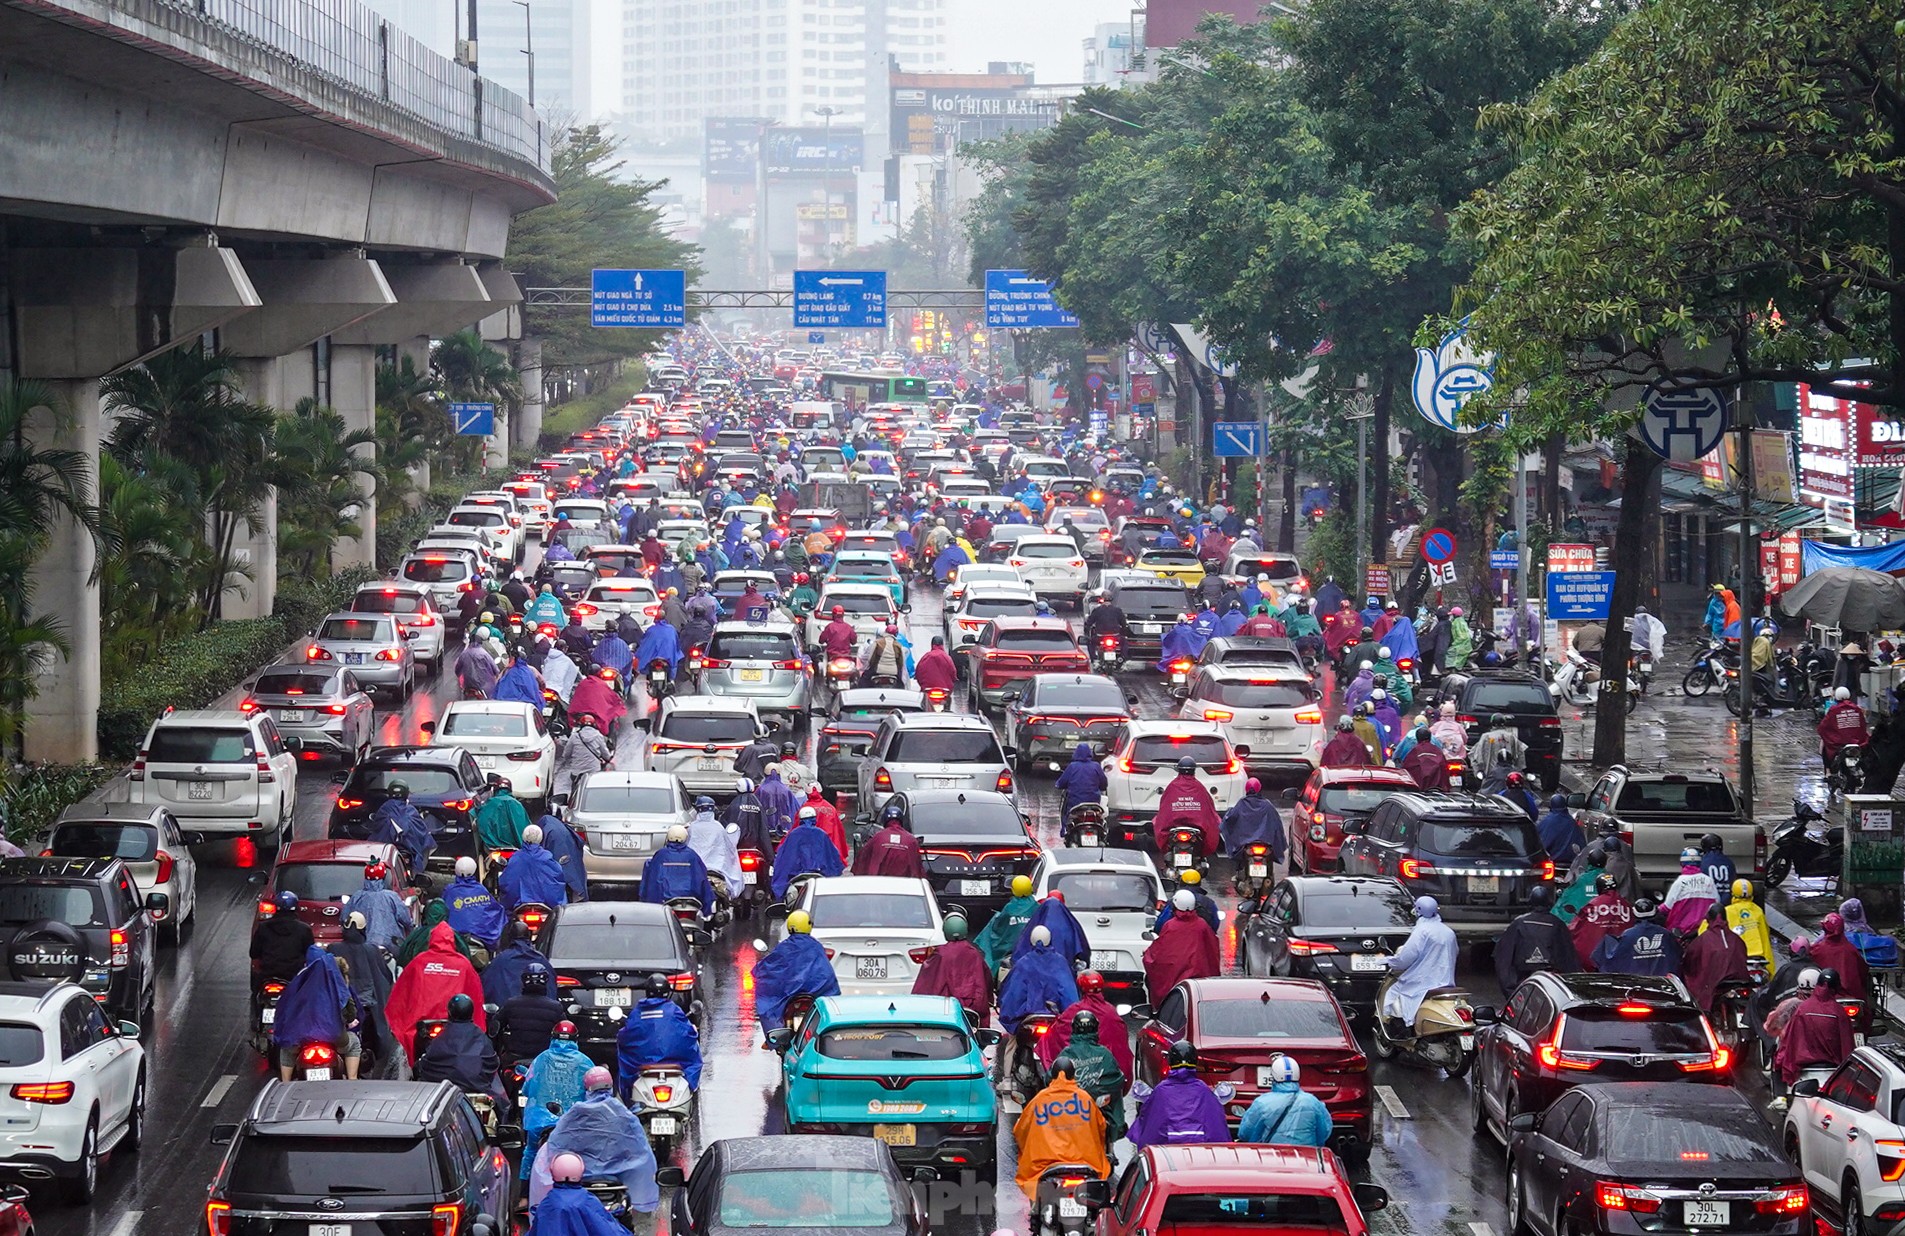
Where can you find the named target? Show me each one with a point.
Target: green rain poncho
(418, 940)
(1002, 933)
(1095, 1070)
(500, 822)
(1397, 683)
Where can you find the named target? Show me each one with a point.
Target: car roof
(852, 885)
(36, 868)
(1248, 673)
(1364, 773)
(401, 755)
(1145, 727)
(808, 1150)
(515, 707)
(328, 850)
(938, 721)
(630, 777)
(1705, 776)
(22, 994)
(1201, 1165)
(111, 813)
(598, 913)
(409, 586)
(1594, 988)
(1667, 1097)
(349, 1108)
(1312, 885)
(937, 1010)
(203, 716)
(1083, 857)
(1457, 804)
(1308, 990)
(862, 697)
(1048, 538)
(708, 703)
(778, 623)
(1021, 622)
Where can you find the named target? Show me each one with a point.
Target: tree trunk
(1551, 480)
(1378, 463)
(1640, 491)
(1286, 523)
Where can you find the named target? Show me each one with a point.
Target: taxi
(1182, 565)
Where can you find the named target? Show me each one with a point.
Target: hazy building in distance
(558, 33)
(1109, 50)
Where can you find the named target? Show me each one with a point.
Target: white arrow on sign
(1028, 283)
(847, 283)
(638, 282)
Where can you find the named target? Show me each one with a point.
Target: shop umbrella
(1850, 598)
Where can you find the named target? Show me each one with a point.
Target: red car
(14, 1219)
(1329, 797)
(1012, 651)
(323, 874)
(1212, 1188)
(1239, 1025)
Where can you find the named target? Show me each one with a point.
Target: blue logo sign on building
(477, 420)
(1580, 596)
(843, 298)
(1682, 425)
(816, 336)
(1236, 439)
(1016, 301)
(638, 299)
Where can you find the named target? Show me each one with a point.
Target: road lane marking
(213, 1098)
(1393, 1105)
(1482, 1229)
(127, 1223)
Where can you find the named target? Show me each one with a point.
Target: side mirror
(158, 903)
(1011, 753)
(1485, 1014)
(413, 634)
(1242, 751)
(1251, 906)
(224, 1134)
(780, 1037)
(1523, 1122)
(671, 1176)
(1806, 1088)
(1370, 1197)
(128, 1029)
(293, 745)
(1292, 795)
(339, 778)
(15, 1193)
(1354, 827)
(1094, 1193)
(1577, 800)
(988, 1037)
(1143, 1012)
(508, 1137)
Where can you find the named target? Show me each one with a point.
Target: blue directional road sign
(816, 336)
(1682, 425)
(476, 420)
(643, 299)
(1237, 438)
(1579, 596)
(1015, 301)
(840, 298)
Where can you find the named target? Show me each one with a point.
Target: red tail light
(1041, 1028)
(336, 710)
(348, 804)
(460, 804)
(1004, 784)
(218, 1218)
(681, 982)
(1546, 870)
(790, 665)
(265, 775)
(1415, 868)
(751, 860)
(50, 1093)
(121, 950)
(1791, 1200)
(1609, 1195)
(322, 1054)
(918, 956)
(424, 620)
(1309, 716)
(567, 980)
(585, 610)
(882, 780)
(165, 867)
(1219, 714)
(248, 705)
(274, 989)
(446, 1218)
(138, 770)
(664, 1094)
(1310, 948)
(314, 653)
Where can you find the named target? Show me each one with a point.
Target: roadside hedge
(33, 796)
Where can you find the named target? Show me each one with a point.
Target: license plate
(897, 1134)
(662, 1124)
(1070, 1208)
(330, 1229)
(974, 888)
(354, 658)
(1104, 959)
(317, 1075)
(939, 783)
(748, 675)
(1265, 1077)
(199, 791)
(1149, 628)
(750, 877)
(1368, 963)
(486, 761)
(267, 1016)
(612, 998)
(1180, 859)
(706, 764)
(1468, 1042)
(1259, 870)
(1484, 884)
(1707, 1214)
(871, 968)
(291, 716)
(628, 843)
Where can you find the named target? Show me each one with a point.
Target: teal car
(860, 566)
(906, 1070)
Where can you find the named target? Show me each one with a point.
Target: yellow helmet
(1191, 877)
(799, 923)
(1742, 890)
(1021, 886)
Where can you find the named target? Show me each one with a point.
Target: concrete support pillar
(63, 716)
(496, 446)
(252, 595)
(354, 397)
(527, 426)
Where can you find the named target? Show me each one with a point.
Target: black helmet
(1187, 766)
(1606, 882)
(789, 749)
(1541, 897)
(1712, 842)
(657, 985)
(398, 790)
(1828, 979)
(1180, 1053)
(535, 979)
(462, 1008)
(1644, 907)
(892, 813)
(1500, 718)
(1085, 1023)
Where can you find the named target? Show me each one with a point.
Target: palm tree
(319, 494)
(151, 566)
(412, 427)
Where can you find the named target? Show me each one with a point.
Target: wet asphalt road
(203, 1070)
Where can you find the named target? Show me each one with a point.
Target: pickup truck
(1658, 814)
(853, 500)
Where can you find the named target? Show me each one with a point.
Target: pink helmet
(566, 1168)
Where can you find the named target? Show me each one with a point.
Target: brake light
(1609, 1195)
(165, 867)
(1546, 871)
(218, 1218)
(121, 950)
(1309, 716)
(664, 1094)
(751, 860)
(1310, 948)
(532, 919)
(918, 956)
(715, 663)
(1633, 1010)
(1416, 868)
(446, 1218)
(138, 770)
(265, 775)
(1041, 1028)
(1125, 764)
(1219, 714)
(1891, 1157)
(348, 804)
(790, 665)
(568, 980)
(882, 780)
(1790, 1200)
(1233, 766)
(317, 1053)
(1718, 1058)
(1551, 1055)
(248, 705)
(585, 610)
(51, 1093)
(1004, 784)
(460, 804)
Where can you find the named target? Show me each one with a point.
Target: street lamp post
(826, 112)
(529, 50)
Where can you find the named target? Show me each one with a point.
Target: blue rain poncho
(561, 842)
(386, 918)
(533, 874)
(1180, 643)
(661, 642)
(472, 911)
(796, 966)
(554, 1077)
(1083, 780)
(1285, 1115)
(518, 684)
(806, 848)
(397, 822)
(1040, 981)
(503, 976)
(676, 871)
(611, 1141)
(571, 1210)
(1068, 936)
(311, 1007)
(658, 1032)
(614, 652)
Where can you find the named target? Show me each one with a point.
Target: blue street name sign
(841, 298)
(1236, 439)
(1579, 596)
(641, 299)
(1015, 301)
(474, 419)
(1503, 559)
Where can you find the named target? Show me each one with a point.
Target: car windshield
(477, 519)
(1509, 697)
(1020, 640)
(136, 843)
(1259, 693)
(1057, 693)
(705, 727)
(620, 593)
(864, 909)
(1657, 1135)
(946, 747)
(1150, 602)
(1275, 568)
(1206, 749)
(1713, 796)
(293, 682)
(423, 782)
(866, 568)
(1170, 558)
(808, 1197)
(20, 1044)
(191, 744)
(1107, 891)
(463, 723)
(1001, 607)
(435, 570)
(319, 881)
(622, 942)
(894, 1043)
(1279, 1211)
(77, 905)
(1268, 1019)
(1662, 1032)
(860, 603)
(1369, 909)
(334, 1166)
(1047, 549)
(969, 819)
(627, 799)
(381, 602)
(359, 629)
(1337, 799)
(1474, 839)
(753, 646)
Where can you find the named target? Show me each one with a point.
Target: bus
(860, 389)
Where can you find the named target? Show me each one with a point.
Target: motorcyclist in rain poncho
(676, 871)
(657, 1031)
(316, 1006)
(533, 874)
(797, 966)
(610, 1139)
(473, 912)
(386, 918)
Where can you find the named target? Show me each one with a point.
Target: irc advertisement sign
(813, 153)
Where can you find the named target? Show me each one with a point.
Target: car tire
(1478, 1106)
(80, 1187)
(1851, 1208)
(1517, 1203)
(136, 1117)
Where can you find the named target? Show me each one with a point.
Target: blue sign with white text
(1236, 439)
(840, 298)
(639, 299)
(477, 420)
(1580, 596)
(1503, 559)
(1016, 301)
(816, 336)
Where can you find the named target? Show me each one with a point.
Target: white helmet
(1368, 665)
(532, 835)
(1808, 979)
(1379, 694)
(1183, 901)
(1041, 936)
(466, 866)
(1841, 694)
(677, 832)
(1284, 1069)
(1383, 652)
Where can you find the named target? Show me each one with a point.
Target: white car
(505, 538)
(227, 774)
(622, 819)
(1146, 761)
(877, 930)
(581, 513)
(148, 841)
(507, 737)
(1848, 1137)
(696, 738)
(1053, 566)
(447, 573)
(1115, 895)
(869, 609)
(1272, 711)
(608, 598)
(72, 1086)
(532, 499)
(967, 617)
(967, 575)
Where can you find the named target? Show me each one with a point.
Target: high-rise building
(548, 39)
(1109, 49)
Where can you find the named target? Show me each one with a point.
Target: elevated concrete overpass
(295, 181)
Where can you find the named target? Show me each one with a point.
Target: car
(968, 574)
(1629, 1157)
(729, 586)
(848, 734)
(72, 1086)
(973, 844)
(1252, 651)
(603, 951)
(372, 646)
(1337, 930)
(931, 751)
(474, 542)
(1140, 766)
(148, 840)
(1284, 571)
(507, 737)
(967, 616)
(1847, 1134)
(1090, 521)
(1525, 699)
(532, 498)
(1053, 565)
(220, 773)
(447, 574)
(1286, 1190)
(581, 513)
(696, 738)
(868, 566)
(609, 598)
(97, 899)
(877, 930)
(907, 1071)
(1182, 565)
(610, 560)
(1116, 896)
(1278, 715)
(445, 785)
(1330, 800)
(1151, 605)
(1476, 854)
(879, 541)
(414, 607)
(1041, 468)
(380, 1155)
(1049, 717)
(326, 874)
(1660, 813)
(762, 1186)
(622, 818)
(1562, 1031)
(761, 662)
(504, 536)
(674, 533)
(870, 609)
(1009, 652)
(1238, 1025)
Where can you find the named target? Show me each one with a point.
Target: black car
(445, 785)
(1632, 1157)
(97, 899)
(974, 842)
(400, 1158)
(1476, 854)
(602, 952)
(1560, 1031)
(1053, 713)
(1524, 699)
(811, 1183)
(1253, 650)
(1150, 607)
(848, 735)
(1338, 930)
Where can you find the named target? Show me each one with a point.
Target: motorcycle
(841, 672)
(316, 1062)
(264, 1014)
(613, 1195)
(534, 916)
(938, 699)
(754, 894)
(555, 714)
(1027, 1077)
(1845, 775)
(1787, 690)
(1254, 871)
(1182, 849)
(1802, 848)
(1709, 670)
(1443, 1035)
(1085, 826)
(1642, 667)
(1180, 677)
(687, 912)
(663, 1100)
(660, 680)
(1108, 656)
(1577, 681)
(1731, 1020)
(1067, 1195)
(427, 1029)
(493, 871)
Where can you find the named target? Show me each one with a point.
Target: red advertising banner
(1565, 557)
(1825, 449)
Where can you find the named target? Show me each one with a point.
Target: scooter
(1253, 871)
(1062, 1207)
(687, 912)
(1803, 846)
(660, 680)
(1183, 848)
(1731, 1021)
(754, 893)
(1708, 671)
(264, 1014)
(1788, 689)
(315, 1062)
(1180, 677)
(613, 1195)
(1845, 774)
(1027, 1078)
(1443, 1035)
(662, 1098)
(1085, 826)
(1108, 656)
(534, 916)
(938, 699)
(1577, 681)
(841, 672)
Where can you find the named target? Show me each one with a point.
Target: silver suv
(761, 662)
(623, 818)
(696, 738)
(931, 751)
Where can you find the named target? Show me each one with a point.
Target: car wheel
(1478, 1104)
(172, 931)
(84, 1182)
(1517, 1202)
(1852, 1208)
(136, 1118)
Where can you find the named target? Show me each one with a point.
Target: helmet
(532, 835)
(1422, 733)
(1345, 724)
(1084, 1021)
(677, 832)
(1384, 652)
(1841, 694)
(1541, 897)
(287, 900)
(355, 919)
(789, 749)
(1284, 1069)
(743, 786)
(954, 927)
(657, 985)
(1558, 801)
(566, 1168)
(1041, 936)
(462, 1008)
(1644, 907)
(1183, 901)
(1379, 694)
(1606, 882)
(399, 791)
(1090, 981)
(1427, 907)
(1712, 842)
(939, 641)
(1833, 924)
(1187, 766)
(1690, 856)
(892, 813)
(1808, 979)
(1252, 786)
(598, 1078)
(807, 812)
(374, 870)
(799, 924)
(800, 577)
(1514, 778)
(1191, 877)
(1179, 1054)
(1455, 611)
(1742, 890)
(1829, 978)
(839, 611)
(704, 803)
(1500, 718)
(535, 979)
(1021, 886)
(565, 1030)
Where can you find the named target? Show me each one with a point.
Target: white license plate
(869, 968)
(939, 783)
(1180, 859)
(627, 843)
(199, 791)
(1070, 1208)
(267, 1016)
(1149, 628)
(1265, 1078)
(487, 761)
(750, 877)
(612, 998)
(1368, 963)
(317, 1075)
(1468, 1042)
(753, 675)
(663, 1124)
(707, 764)
(291, 716)
(354, 658)
(1484, 884)
(330, 1229)
(1707, 1214)
(1259, 870)
(974, 888)
(1104, 959)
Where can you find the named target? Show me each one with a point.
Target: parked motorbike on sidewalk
(1708, 670)
(1577, 681)
(1846, 774)
(1806, 846)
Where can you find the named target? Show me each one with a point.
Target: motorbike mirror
(1523, 1122)
(924, 1174)
(508, 1137)
(484, 1225)
(988, 1037)
(1485, 1014)
(780, 1037)
(1249, 907)
(670, 1176)
(1807, 1087)
(1370, 1197)
(1577, 800)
